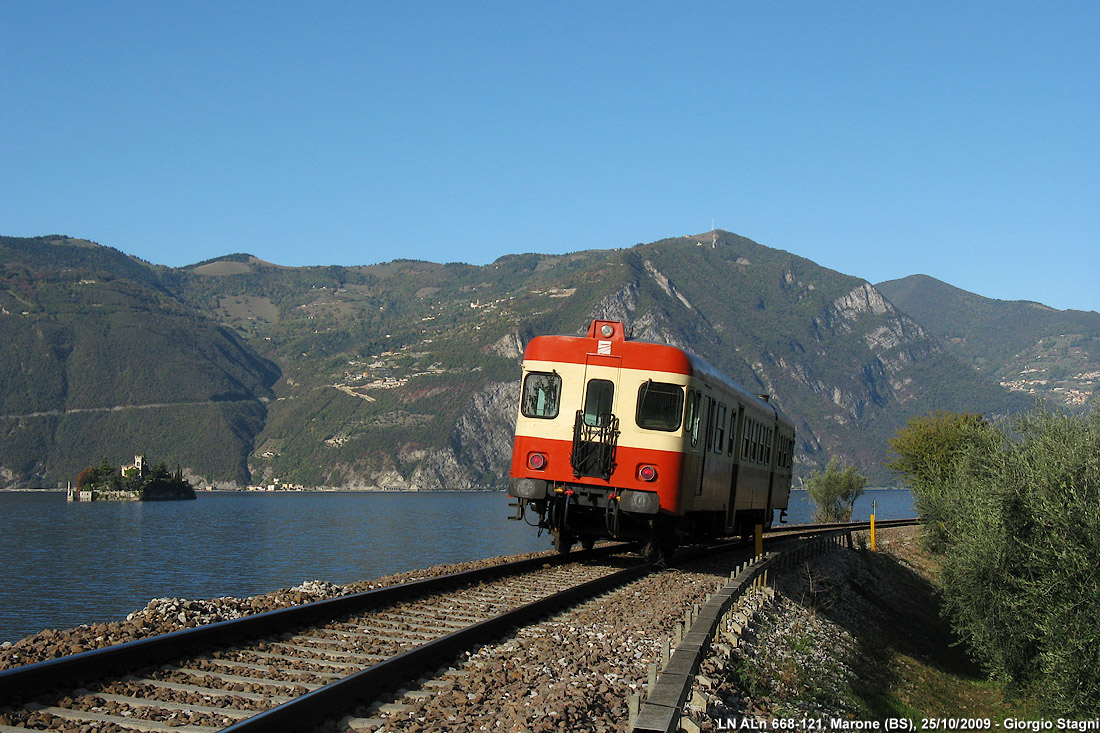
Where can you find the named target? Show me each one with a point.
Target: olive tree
(925, 453)
(1017, 517)
(1020, 570)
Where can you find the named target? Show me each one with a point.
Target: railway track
(284, 669)
(292, 668)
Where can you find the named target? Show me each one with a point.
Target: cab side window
(660, 406)
(692, 419)
(541, 395)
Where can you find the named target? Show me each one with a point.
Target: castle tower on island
(138, 465)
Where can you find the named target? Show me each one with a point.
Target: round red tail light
(647, 473)
(536, 461)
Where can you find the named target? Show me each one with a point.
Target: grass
(859, 636)
(916, 667)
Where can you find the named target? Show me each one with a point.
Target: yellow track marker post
(874, 506)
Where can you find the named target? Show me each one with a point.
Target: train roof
(607, 340)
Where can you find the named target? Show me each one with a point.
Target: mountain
(404, 374)
(101, 361)
(1025, 347)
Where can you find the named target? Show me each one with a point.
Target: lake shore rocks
(164, 615)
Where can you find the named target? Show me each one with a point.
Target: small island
(136, 482)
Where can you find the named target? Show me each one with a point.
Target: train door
(707, 415)
(734, 451)
(773, 455)
(716, 478)
(694, 432)
(596, 427)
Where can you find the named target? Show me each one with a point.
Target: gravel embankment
(807, 651)
(803, 655)
(577, 670)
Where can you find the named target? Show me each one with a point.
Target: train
(625, 439)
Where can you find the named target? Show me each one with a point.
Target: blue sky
(881, 139)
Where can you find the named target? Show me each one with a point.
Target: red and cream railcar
(627, 439)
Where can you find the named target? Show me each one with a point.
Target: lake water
(63, 564)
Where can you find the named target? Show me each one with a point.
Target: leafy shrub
(1019, 515)
(925, 452)
(835, 490)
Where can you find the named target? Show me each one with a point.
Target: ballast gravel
(578, 670)
(575, 671)
(163, 615)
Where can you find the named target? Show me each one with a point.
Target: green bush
(925, 452)
(1019, 513)
(835, 490)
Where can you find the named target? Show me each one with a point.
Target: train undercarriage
(574, 513)
(579, 513)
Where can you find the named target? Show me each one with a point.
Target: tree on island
(87, 477)
(152, 485)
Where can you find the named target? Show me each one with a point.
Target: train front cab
(597, 452)
(637, 441)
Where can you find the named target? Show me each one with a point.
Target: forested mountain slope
(403, 374)
(1024, 346)
(100, 361)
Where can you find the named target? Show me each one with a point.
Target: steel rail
(97, 663)
(305, 710)
(863, 524)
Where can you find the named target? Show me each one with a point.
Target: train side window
(720, 423)
(746, 437)
(598, 401)
(541, 395)
(768, 446)
(660, 406)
